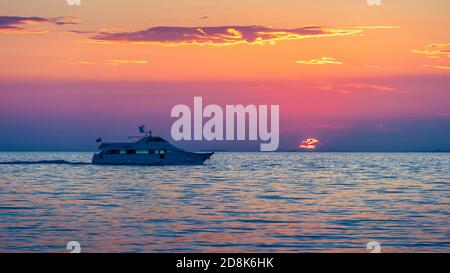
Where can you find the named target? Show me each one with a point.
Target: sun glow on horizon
(309, 143)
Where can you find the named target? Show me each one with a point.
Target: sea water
(235, 202)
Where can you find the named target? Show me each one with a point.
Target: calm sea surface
(236, 202)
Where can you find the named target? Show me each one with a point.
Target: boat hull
(170, 158)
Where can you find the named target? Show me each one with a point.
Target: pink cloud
(220, 35)
(16, 24)
(347, 88)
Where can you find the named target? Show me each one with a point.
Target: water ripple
(251, 202)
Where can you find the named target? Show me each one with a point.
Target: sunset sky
(354, 76)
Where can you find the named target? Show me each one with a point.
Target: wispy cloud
(17, 24)
(220, 36)
(119, 62)
(347, 88)
(442, 67)
(106, 62)
(322, 60)
(80, 31)
(329, 126)
(64, 20)
(438, 51)
(435, 51)
(76, 62)
(379, 27)
(383, 128)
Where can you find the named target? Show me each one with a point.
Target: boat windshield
(155, 139)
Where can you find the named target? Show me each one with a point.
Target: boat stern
(97, 158)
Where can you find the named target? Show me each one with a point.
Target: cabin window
(113, 152)
(156, 151)
(162, 154)
(142, 152)
(131, 152)
(122, 152)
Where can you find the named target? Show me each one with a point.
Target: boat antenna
(145, 132)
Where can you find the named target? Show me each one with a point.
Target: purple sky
(62, 115)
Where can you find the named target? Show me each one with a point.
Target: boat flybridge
(146, 150)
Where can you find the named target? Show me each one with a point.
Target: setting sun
(309, 143)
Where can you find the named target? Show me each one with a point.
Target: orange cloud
(322, 60)
(309, 143)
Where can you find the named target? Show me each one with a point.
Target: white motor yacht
(147, 150)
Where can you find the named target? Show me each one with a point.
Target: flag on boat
(98, 140)
(142, 129)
